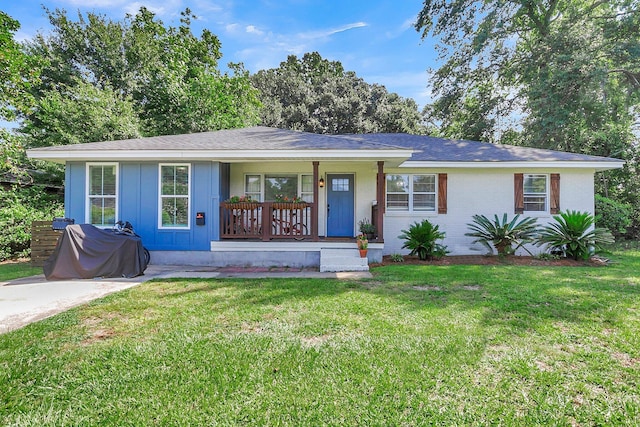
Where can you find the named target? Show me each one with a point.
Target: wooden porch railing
(291, 221)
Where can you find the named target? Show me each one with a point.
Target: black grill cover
(84, 252)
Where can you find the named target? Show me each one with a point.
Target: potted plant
(240, 202)
(363, 245)
(285, 202)
(367, 228)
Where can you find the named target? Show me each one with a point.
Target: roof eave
(547, 164)
(231, 156)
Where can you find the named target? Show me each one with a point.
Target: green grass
(15, 270)
(415, 345)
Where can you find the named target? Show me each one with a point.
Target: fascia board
(224, 155)
(603, 165)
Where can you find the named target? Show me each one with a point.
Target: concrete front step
(332, 260)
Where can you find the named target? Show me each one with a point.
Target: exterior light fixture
(321, 183)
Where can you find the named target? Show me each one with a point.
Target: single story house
(177, 191)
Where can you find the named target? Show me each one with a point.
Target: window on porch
(266, 187)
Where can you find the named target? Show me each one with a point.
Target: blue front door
(340, 205)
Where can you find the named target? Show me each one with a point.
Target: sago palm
(506, 236)
(421, 238)
(574, 235)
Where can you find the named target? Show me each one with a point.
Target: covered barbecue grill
(84, 252)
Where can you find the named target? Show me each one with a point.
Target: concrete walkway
(29, 299)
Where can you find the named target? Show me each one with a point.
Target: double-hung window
(411, 192)
(174, 195)
(102, 194)
(535, 192)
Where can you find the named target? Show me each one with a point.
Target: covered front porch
(330, 200)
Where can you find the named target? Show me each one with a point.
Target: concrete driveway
(27, 300)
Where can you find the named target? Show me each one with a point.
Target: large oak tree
(316, 95)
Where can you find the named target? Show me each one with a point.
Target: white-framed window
(535, 191)
(265, 187)
(253, 186)
(411, 192)
(102, 194)
(175, 196)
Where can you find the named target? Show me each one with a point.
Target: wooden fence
(43, 242)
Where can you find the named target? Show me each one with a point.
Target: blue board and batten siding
(138, 193)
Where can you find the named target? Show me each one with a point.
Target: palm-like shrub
(421, 238)
(574, 235)
(506, 236)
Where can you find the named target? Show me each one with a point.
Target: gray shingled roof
(426, 148)
(432, 149)
(253, 138)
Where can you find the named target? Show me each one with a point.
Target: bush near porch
(414, 345)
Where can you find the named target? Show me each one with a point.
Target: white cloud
(251, 29)
(97, 3)
(133, 8)
(318, 34)
(401, 29)
(231, 28)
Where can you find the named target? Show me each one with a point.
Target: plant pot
(289, 205)
(363, 253)
(247, 206)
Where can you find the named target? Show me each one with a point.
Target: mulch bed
(495, 260)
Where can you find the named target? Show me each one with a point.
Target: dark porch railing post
(314, 208)
(266, 221)
(380, 199)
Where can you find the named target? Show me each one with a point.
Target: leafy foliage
(570, 66)
(17, 70)
(502, 233)
(563, 75)
(573, 234)
(19, 207)
(316, 95)
(615, 216)
(421, 238)
(133, 77)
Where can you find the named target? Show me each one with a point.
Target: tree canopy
(132, 78)
(558, 74)
(567, 70)
(316, 95)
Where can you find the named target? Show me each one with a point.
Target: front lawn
(415, 345)
(10, 270)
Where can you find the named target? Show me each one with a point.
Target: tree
(570, 68)
(17, 70)
(316, 95)
(557, 74)
(162, 80)
(81, 112)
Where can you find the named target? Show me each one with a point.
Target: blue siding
(74, 191)
(138, 203)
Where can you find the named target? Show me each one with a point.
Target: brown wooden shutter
(554, 203)
(518, 192)
(442, 193)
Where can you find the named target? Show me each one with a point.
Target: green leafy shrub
(506, 236)
(421, 238)
(574, 235)
(615, 216)
(396, 258)
(19, 207)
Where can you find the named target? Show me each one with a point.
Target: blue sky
(376, 39)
